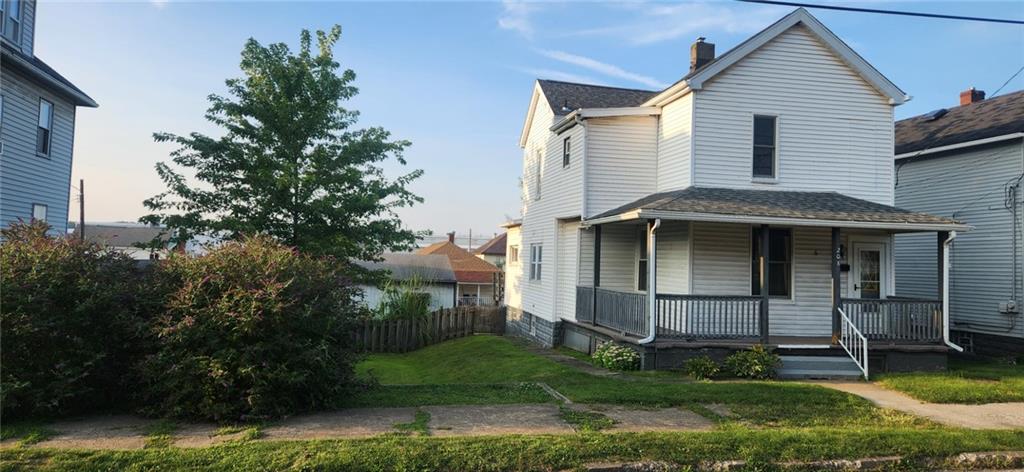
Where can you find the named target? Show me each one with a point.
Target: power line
(887, 12)
(1015, 74)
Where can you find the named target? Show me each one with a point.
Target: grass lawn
(973, 381)
(498, 453)
(478, 369)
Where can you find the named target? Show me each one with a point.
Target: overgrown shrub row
(251, 329)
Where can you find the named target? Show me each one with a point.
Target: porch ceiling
(780, 207)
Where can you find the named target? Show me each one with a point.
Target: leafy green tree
(289, 163)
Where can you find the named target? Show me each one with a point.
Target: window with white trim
(765, 150)
(536, 261)
(641, 263)
(10, 20)
(779, 262)
(45, 127)
(39, 212)
(513, 254)
(566, 151)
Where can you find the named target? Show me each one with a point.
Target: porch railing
(896, 319)
(622, 311)
(585, 304)
(708, 316)
(853, 342)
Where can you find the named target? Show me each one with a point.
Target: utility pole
(470, 239)
(81, 209)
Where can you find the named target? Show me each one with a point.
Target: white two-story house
(753, 198)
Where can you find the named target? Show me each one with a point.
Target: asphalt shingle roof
(45, 68)
(985, 119)
(121, 236)
(494, 247)
(564, 97)
(776, 204)
(468, 268)
(406, 266)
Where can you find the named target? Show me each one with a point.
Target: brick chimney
(701, 53)
(451, 237)
(971, 95)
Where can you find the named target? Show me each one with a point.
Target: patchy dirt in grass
(986, 416)
(719, 409)
(99, 432)
(203, 435)
(653, 419)
(356, 422)
(496, 419)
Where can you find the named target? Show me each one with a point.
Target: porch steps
(819, 367)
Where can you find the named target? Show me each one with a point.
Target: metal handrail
(854, 343)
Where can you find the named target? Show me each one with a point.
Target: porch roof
(729, 205)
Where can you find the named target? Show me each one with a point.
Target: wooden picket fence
(439, 326)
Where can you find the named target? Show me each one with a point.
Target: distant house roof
(997, 116)
(468, 268)
(494, 247)
(564, 97)
(120, 236)
(407, 266)
(42, 71)
(776, 206)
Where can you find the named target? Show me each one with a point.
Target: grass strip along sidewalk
(979, 381)
(760, 448)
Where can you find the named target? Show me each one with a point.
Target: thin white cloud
(517, 16)
(160, 4)
(563, 76)
(647, 23)
(603, 68)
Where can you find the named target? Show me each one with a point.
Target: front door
(868, 274)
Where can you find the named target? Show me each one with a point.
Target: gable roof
(565, 97)
(768, 206)
(407, 266)
(695, 80)
(494, 247)
(468, 268)
(989, 118)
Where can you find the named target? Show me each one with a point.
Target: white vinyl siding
(674, 144)
(673, 257)
(441, 295)
(721, 259)
(514, 269)
(621, 161)
(618, 257)
(967, 185)
(835, 131)
(566, 272)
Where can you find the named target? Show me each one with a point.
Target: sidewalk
(987, 416)
(129, 432)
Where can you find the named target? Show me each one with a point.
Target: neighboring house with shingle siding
(967, 163)
(476, 277)
(493, 251)
(37, 125)
(753, 198)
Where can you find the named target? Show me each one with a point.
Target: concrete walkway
(987, 416)
(130, 432)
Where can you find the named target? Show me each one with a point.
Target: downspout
(583, 163)
(945, 292)
(652, 284)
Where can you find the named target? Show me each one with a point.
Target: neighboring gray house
(127, 238)
(967, 163)
(433, 272)
(37, 125)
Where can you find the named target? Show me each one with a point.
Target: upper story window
(779, 262)
(513, 254)
(566, 151)
(43, 132)
(39, 212)
(537, 163)
(765, 149)
(10, 13)
(536, 261)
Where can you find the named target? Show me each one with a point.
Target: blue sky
(454, 78)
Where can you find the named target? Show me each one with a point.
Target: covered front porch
(734, 268)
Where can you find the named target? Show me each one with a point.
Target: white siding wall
(514, 270)
(621, 160)
(673, 257)
(560, 197)
(969, 184)
(835, 131)
(441, 295)
(568, 252)
(674, 142)
(721, 259)
(619, 248)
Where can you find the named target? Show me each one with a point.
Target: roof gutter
(81, 98)
(652, 283)
(572, 119)
(965, 144)
(744, 219)
(668, 95)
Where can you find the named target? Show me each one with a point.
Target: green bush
(252, 329)
(68, 326)
(615, 357)
(755, 363)
(702, 368)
